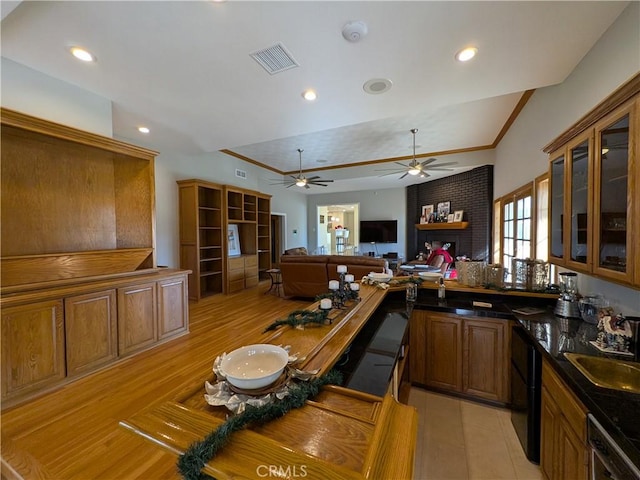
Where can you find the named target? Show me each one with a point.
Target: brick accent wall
(470, 191)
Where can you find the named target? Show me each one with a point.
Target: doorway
(338, 229)
(278, 237)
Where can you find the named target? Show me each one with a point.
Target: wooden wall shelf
(442, 226)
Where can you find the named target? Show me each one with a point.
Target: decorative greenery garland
(190, 463)
(300, 317)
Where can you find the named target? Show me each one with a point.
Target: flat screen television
(378, 231)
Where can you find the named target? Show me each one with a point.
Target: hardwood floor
(73, 432)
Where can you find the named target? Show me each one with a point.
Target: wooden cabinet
(250, 213)
(201, 236)
(173, 307)
(91, 332)
(56, 226)
(460, 355)
(220, 261)
(594, 202)
(563, 446)
(32, 347)
(137, 317)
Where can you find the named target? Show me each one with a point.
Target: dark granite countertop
(617, 411)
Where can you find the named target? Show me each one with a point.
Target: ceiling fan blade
(403, 165)
(391, 173)
(406, 173)
(321, 181)
(306, 185)
(291, 185)
(446, 164)
(438, 169)
(428, 161)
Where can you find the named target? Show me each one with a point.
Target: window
(520, 224)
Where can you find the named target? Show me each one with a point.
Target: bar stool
(276, 280)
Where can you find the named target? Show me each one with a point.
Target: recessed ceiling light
(376, 86)
(143, 130)
(82, 54)
(310, 95)
(466, 54)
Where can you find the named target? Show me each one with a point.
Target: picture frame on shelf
(427, 210)
(450, 218)
(444, 209)
(457, 215)
(233, 241)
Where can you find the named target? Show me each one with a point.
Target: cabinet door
(444, 352)
(417, 347)
(580, 178)
(572, 455)
(172, 307)
(556, 207)
(614, 202)
(549, 423)
(483, 359)
(32, 347)
(137, 317)
(90, 331)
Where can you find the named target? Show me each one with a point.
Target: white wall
(218, 168)
(385, 204)
(29, 91)
(519, 157)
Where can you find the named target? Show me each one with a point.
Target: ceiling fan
(301, 181)
(415, 167)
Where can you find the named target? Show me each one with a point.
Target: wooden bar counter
(132, 420)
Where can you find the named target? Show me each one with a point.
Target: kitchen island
(134, 419)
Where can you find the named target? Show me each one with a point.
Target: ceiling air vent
(275, 59)
(241, 174)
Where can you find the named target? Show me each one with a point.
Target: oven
(608, 461)
(526, 389)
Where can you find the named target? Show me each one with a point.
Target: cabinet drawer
(236, 263)
(235, 275)
(251, 281)
(251, 261)
(236, 285)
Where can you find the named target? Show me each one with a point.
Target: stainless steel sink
(607, 372)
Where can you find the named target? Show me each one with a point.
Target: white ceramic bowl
(254, 366)
(434, 276)
(380, 277)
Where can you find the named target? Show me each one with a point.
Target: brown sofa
(309, 275)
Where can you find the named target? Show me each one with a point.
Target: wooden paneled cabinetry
(33, 353)
(56, 335)
(462, 355)
(563, 446)
(91, 331)
(77, 241)
(595, 199)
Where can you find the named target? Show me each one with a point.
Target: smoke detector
(354, 31)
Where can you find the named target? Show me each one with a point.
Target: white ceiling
(183, 69)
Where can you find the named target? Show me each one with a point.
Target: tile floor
(460, 440)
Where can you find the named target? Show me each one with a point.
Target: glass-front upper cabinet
(556, 205)
(614, 201)
(579, 173)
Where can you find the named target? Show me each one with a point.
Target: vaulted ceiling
(184, 70)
